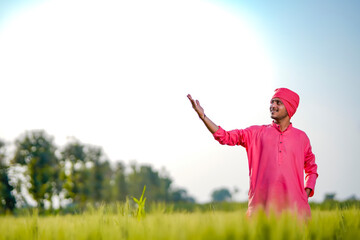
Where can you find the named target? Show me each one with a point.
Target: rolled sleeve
(231, 138)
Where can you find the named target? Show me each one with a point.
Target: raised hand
(196, 106)
(212, 127)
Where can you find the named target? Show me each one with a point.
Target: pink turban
(289, 98)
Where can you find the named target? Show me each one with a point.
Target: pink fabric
(289, 98)
(277, 161)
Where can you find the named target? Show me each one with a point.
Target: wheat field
(158, 224)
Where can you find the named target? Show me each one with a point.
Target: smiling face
(277, 109)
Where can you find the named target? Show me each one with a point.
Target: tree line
(76, 174)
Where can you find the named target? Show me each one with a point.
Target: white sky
(116, 74)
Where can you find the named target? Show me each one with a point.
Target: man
(277, 154)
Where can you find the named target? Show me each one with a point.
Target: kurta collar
(277, 126)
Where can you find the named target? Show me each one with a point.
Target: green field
(159, 223)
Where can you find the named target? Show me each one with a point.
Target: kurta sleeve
(310, 169)
(233, 137)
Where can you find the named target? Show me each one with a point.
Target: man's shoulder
(299, 132)
(258, 127)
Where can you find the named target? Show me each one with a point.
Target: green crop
(119, 223)
(140, 213)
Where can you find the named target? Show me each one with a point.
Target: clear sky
(116, 73)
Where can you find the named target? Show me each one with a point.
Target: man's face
(277, 109)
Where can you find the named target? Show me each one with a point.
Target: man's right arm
(212, 127)
(232, 138)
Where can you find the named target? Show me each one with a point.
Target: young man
(277, 154)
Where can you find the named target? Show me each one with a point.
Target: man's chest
(281, 147)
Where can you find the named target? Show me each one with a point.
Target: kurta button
(280, 151)
(280, 142)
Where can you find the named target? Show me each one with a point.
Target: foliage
(334, 204)
(140, 213)
(181, 195)
(330, 196)
(104, 224)
(74, 175)
(80, 174)
(7, 200)
(87, 175)
(158, 186)
(120, 184)
(220, 195)
(36, 151)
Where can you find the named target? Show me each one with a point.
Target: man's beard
(279, 117)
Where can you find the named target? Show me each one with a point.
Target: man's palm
(196, 106)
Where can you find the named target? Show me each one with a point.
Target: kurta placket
(280, 144)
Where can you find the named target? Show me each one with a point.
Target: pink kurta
(277, 161)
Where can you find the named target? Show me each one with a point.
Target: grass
(105, 223)
(140, 212)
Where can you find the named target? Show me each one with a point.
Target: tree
(101, 174)
(329, 197)
(36, 151)
(75, 175)
(7, 199)
(158, 187)
(181, 195)
(220, 195)
(88, 173)
(120, 184)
